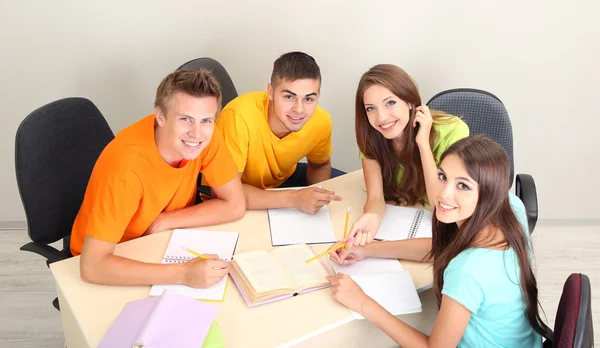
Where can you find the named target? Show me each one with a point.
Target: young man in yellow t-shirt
(268, 132)
(145, 181)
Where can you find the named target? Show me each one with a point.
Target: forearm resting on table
(316, 173)
(257, 198)
(211, 212)
(116, 270)
(411, 249)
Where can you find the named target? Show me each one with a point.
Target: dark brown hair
(411, 189)
(197, 83)
(488, 164)
(294, 66)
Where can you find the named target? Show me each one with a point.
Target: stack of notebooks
(170, 320)
(219, 243)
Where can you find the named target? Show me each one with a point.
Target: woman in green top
(482, 277)
(400, 141)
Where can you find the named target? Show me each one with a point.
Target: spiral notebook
(404, 223)
(292, 226)
(205, 242)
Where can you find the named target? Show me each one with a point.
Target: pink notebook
(323, 262)
(169, 320)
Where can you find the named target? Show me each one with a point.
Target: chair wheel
(55, 304)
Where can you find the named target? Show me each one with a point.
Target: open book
(169, 320)
(205, 242)
(386, 282)
(266, 276)
(404, 223)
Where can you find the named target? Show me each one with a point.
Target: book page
(263, 273)
(292, 259)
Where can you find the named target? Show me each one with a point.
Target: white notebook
(404, 223)
(205, 242)
(292, 226)
(386, 282)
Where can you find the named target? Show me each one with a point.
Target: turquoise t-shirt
(486, 282)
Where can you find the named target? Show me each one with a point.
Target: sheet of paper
(369, 265)
(292, 226)
(393, 291)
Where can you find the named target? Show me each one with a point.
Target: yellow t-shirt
(264, 160)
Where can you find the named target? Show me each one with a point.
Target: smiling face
(186, 128)
(458, 192)
(387, 113)
(292, 104)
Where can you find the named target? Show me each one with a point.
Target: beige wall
(539, 57)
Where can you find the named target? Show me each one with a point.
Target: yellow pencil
(195, 253)
(346, 224)
(328, 251)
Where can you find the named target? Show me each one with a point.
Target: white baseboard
(13, 225)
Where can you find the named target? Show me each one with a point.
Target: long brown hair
(411, 189)
(488, 164)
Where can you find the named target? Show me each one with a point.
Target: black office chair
(573, 327)
(218, 71)
(56, 147)
(228, 94)
(484, 113)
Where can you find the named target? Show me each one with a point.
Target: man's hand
(200, 273)
(311, 199)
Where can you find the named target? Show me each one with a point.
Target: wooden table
(88, 310)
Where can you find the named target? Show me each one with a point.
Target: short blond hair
(196, 83)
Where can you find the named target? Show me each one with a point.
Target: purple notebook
(281, 297)
(169, 320)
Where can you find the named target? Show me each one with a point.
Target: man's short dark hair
(294, 66)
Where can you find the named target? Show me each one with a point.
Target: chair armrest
(50, 253)
(525, 190)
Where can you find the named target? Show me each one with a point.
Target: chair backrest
(218, 71)
(573, 325)
(56, 148)
(482, 111)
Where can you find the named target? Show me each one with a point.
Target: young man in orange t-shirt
(145, 181)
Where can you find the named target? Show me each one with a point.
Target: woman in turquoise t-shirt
(482, 276)
(400, 141)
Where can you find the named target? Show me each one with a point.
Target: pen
(328, 251)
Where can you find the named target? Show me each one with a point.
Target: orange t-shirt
(131, 185)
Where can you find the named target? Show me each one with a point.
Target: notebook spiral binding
(181, 259)
(414, 227)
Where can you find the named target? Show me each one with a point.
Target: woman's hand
(425, 120)
(349, 254)
(364, 229)
(347, 292)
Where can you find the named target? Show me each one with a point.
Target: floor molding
(13, 225)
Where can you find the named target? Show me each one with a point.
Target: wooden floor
(27, 288)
